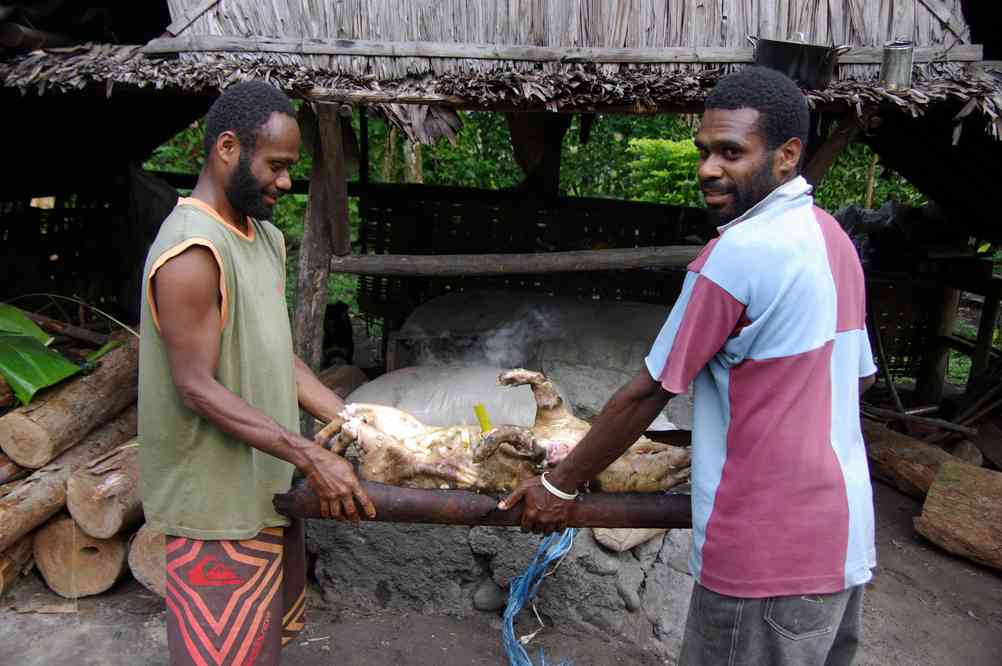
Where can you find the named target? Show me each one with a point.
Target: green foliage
(182, 154)
(603, 166)
(846, 182)
(26, 362)
(14, 320)
(481, 158)
(664, 171)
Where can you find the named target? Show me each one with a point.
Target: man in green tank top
(220, 390)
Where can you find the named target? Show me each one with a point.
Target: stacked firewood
(69, 503)
(953, 466)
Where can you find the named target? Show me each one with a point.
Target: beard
(744, 196)
(245, 193)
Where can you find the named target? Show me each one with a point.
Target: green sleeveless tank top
(197, 481)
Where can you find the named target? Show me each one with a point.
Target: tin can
(896, 67)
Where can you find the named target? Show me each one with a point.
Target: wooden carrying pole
(448, 265)
(462, 507)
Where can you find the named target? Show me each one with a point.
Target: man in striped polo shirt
(770, 330)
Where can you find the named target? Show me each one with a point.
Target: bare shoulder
(192, 275)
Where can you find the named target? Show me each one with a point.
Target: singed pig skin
(397, 449)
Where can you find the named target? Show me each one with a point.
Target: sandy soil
(923, 607)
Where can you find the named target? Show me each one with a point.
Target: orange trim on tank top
(167, 255)
(212, 212)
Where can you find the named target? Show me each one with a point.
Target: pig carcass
(395, 448)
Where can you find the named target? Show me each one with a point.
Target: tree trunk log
(43, 494)
(14, 562)
(962, 511)
(75, 565)
(103, 495)
(148, 559)
(35, 434)
(10, 470)
(905, 462)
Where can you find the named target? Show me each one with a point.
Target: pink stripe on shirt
(780, 517)
(710, 319)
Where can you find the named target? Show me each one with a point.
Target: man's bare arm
(187, 300)
(625, 417)
(318, 400)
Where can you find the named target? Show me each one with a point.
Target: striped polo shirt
(770, 327)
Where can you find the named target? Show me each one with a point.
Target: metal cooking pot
(810, 65)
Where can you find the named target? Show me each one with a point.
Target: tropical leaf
(13, 320)
(29, 366)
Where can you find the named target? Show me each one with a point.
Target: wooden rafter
(370, 48)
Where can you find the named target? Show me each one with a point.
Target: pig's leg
(453, 474)
(330, 430)
(550, 406)
(521, 439)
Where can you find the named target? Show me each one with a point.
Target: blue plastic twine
(522, 590)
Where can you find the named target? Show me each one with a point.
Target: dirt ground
(923, 607)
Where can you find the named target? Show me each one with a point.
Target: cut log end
(961, 513)
(148, 559)
(103, 497)
(74, 564)
(26, 443)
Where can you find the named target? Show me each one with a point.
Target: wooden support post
(363, 158)
(321, 239)
(332, 144)
(315, 248)
(932, 374)
(826, 154)
(986, 332)
(536, 140)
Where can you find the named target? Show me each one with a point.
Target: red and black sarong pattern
(235, 602)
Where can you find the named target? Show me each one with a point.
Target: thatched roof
(714, 32)
(562, 55)
(577, 87)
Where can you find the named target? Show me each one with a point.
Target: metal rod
(462, 507)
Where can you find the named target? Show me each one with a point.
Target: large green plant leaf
(13, 320)
(29, 366)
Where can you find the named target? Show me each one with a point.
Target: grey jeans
(808, 630)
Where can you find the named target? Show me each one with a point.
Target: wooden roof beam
(708, 55)
(391, 96)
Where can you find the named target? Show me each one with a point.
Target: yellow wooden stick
(485, 420)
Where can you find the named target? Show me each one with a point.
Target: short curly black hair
(782, 107)
(244, 108)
